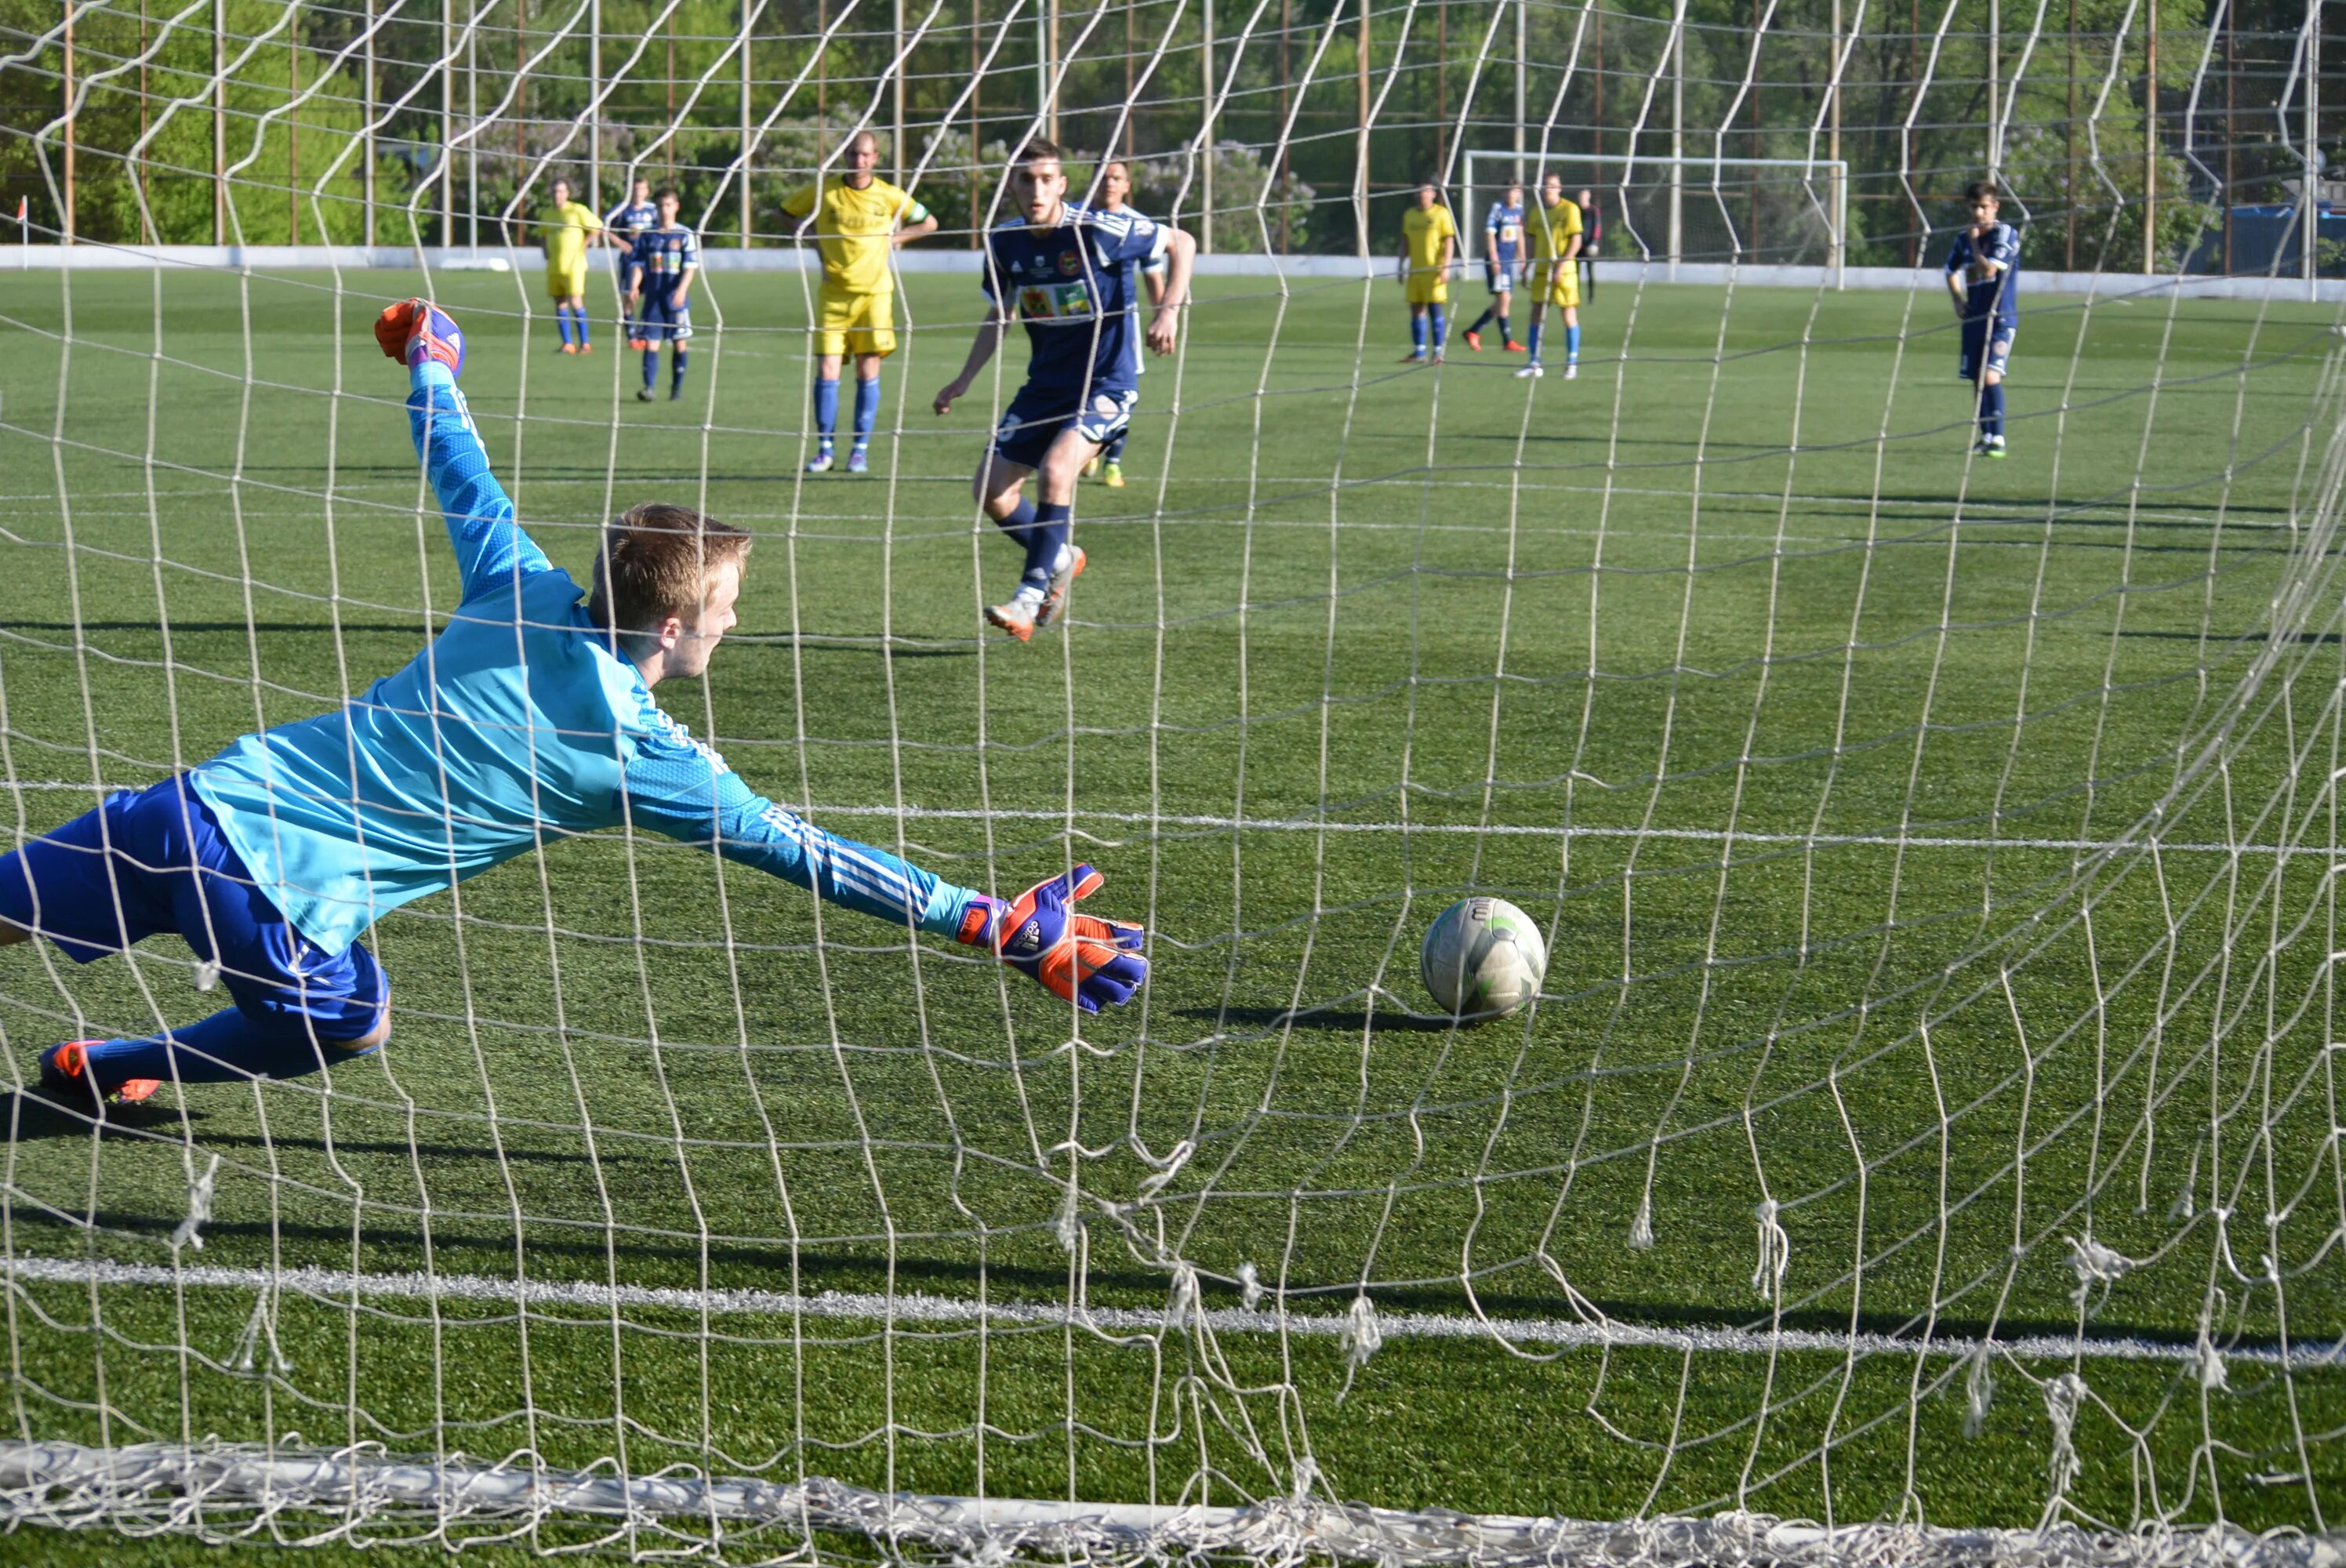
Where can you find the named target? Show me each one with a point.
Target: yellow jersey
(1424, 229)
(851, 227)
(1551, 227)
(565, 235)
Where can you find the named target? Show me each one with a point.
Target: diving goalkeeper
(531, 716)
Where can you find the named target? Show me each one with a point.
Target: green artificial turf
(1876, 803)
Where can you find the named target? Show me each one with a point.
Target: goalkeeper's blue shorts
(154, 861)
(1034, 419)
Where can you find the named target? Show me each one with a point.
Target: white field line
(1461, 830)
(333, 1287)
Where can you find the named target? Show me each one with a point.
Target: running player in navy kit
(1073, 274)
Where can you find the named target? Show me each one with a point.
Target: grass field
(1940, 850)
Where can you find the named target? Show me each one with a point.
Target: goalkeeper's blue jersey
(518, 726)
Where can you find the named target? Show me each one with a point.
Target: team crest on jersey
(1070, 263)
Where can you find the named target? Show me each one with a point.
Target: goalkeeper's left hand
(414, 331)
(1079, 958)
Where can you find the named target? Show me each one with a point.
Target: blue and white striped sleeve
(491, 548)
(680, 787)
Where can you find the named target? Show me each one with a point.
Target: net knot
(2096, 1264)
(199, 1208)
(1362, 1338)
(1250, 1285)
(1641, 1229)
(1155, 1183)
(2062, 1397)
(207, 974)
(1185, 1307)
(1775, 1252)
(1979, 1393)
(1069, 1225)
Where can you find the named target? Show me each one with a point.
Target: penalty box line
(336, 1286)
(1461, 830)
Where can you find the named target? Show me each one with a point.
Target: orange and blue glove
(1079, 958)
(414, 331)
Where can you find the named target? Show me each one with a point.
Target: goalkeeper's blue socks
(229, 1047)
(561, 321)
(1441, 326)
(675, 364)
(1417, 332)
(1531, 343)
(867, 410)
(1991, 411)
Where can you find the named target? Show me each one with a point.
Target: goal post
(1752, 211)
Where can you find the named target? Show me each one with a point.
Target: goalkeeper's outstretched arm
(491, 547)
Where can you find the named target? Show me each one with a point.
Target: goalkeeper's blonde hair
(657, 560)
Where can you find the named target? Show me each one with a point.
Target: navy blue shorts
(155, 860)
(1033, 420)
(1982, 347)
(664, 317)
(1500, 276)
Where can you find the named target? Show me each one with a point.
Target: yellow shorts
(1429, 287)
(848, 323)
(566, 282)
(1563, 281)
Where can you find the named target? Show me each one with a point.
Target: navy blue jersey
(663, 254)
(630, 219)
(1505, 229)
(1077, 287)
(1990, 271)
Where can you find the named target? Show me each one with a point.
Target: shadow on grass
(29, 1118)
(1333, 1020)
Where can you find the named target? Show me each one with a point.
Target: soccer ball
(1483, 959)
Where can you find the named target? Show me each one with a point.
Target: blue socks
(561, 321)
(867, 408)
(1505, 330)
(1991, 409)
(579, 311)
(676, 370)
(1484, 319)
(1417, 332)
(1533, 343)
(564, 313)
(826, 410)
(651, 367)
(1045, 541)
(1572, 345)
(226, 1048)
(1441, 320)
(1114, 451)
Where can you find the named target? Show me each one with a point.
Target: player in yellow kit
(856, 219)
(1429, 239)
(567, 228)
(1554, 226)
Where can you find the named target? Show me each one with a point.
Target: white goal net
(1927, 1144)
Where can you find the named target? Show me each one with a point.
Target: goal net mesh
(1926, 1145)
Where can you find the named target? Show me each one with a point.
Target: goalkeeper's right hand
(414, 331)
(1077, 958)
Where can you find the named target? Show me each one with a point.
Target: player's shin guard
(826, 409)
(867, 409)
(1417, 332)
(1441, 320)
(1047, 542)
(229, 1047)
(1991, 409)
(676, 370)
(1572, 345)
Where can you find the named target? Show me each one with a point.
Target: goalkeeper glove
(1079, 958)
(414, 331)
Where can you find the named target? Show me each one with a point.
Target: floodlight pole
(1995, 124)
(1523, 71)
(2308, 232)
(366, 147)
(1677, 135)
(897, 140)
(594, 105)
(447, 125)
(2150, 142)
(742, 177)
(1838, 256)
(1361, 150)
(1206, 134)
(69, 117)
(220, 122)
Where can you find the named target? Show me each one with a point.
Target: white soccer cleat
(820, 463)
(1571, 372)
(1531, 372)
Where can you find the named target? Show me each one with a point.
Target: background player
(1429, 239)
(1554, 226)
(1116, 188)
(632, 216)
(1503, 249)
(659, 295)
(567, 231)
(1592, 223)
(272, 858)
(1984, 276)
(1070, 273)
(858, 219)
